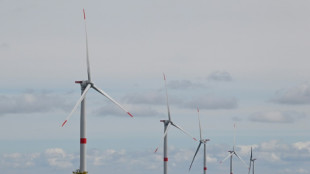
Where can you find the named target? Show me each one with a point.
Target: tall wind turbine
(204, 142)
(252, 160)
(85, 86)
(167, 124)
(232, 153)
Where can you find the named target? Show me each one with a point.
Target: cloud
(57, 157)
(212, 102)
(110, 109)
(277, 116)
(220, 76)
(297, 95)
(302, 146)
(271, 155)
(4, 45)
(184, 85)
(19, 160)
(153, 98)
(32, 102)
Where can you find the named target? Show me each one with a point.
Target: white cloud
(302, 145)
(271, 155)
(19, 160)
(57, 157)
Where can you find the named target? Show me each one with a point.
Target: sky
(241, 62)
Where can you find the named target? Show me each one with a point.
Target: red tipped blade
(129, 114)
(84, 14)
(156, 150)
(64, 123)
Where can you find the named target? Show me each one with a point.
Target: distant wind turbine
(167, 124)
(204, 142)
(252, 160)
(85, 86)
(232, 153)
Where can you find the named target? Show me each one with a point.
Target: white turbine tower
(167, 124)
(233, 152)
(85, 86)
(252, 160)
(204, 142)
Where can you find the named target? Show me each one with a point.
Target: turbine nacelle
(204, 141)
(84, 83)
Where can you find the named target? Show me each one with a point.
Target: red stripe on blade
(84, 14)
(64, 123)
(156, 150)
(83, 140)
(129, 114)
(165, 159)
(205, 168)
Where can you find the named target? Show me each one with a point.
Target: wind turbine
(232, 153)
(85, 86)
(252, 160)
(204, 142)
(167, 124)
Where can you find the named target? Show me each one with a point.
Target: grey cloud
(153, 98)
(184, 84)
(137, 111)
(235, 118)
(277, 116)
(220, 76)
(4, 45)
(32, 102)
(212, 102)
(294, 96)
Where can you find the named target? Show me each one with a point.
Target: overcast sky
(242, 62)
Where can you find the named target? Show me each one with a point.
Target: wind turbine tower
(252, 160)
(85, 86)
(167, 124)
(232, 153)
(204, 142)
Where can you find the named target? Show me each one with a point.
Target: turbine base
(79, 172)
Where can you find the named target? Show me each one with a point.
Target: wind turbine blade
(234, 136)
(250, 162)
(183, 131)
(241, 160)
(165, 133)
(199, 123)
(194, 156)
(87, 56)
(251, 155)
(110, 98)
(77, 104)
(250, 167)
(167, 97)
(226, 157)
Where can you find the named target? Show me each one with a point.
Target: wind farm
(242, 62)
